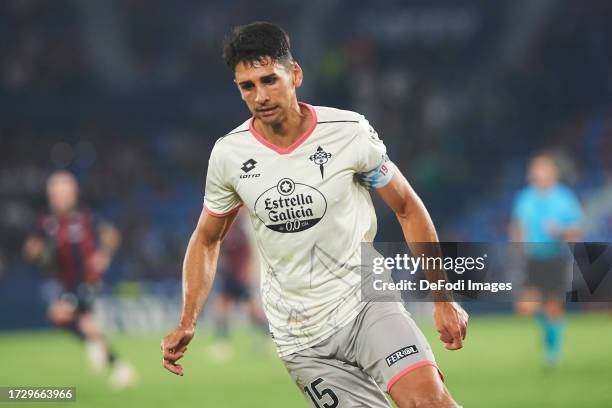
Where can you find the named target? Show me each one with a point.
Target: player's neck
(545, 188)
(284, 134)
(63, 212)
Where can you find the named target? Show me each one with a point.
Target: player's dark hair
(253, 42)
(545, 153)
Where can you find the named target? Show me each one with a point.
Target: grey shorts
(354, 366)
(549, 276)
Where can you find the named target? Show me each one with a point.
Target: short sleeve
(373, 167)
(220, 198)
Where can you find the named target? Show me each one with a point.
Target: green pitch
(499, 367)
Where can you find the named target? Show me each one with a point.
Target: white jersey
(310, 212)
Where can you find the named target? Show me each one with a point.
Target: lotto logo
(248, 165)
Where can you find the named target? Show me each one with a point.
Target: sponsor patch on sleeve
(401, 353)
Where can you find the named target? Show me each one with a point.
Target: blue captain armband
(379, 177)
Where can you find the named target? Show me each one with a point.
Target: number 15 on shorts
(321, 397)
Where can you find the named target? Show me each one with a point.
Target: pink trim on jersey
(406, 370)
(295, 144)
(217, 215)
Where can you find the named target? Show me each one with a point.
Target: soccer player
(78, 249)
(296, 167)
(546, 213)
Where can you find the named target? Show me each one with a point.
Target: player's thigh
(390, 345)
(330, 383)
(88, 325)
(223, 304)
(530, 300)
(61, 312)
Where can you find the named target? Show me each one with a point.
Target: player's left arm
(419, 232)
(109, 239)
(571, 220)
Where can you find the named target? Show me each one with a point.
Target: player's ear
(298, 74)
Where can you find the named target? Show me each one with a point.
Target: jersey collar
(295, 144)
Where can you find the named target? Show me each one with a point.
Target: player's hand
(99, 262)
(174, 347)
(33, 248)
(451, 322)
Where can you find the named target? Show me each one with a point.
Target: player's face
(543, 172)
(62, 192)
(268, 88)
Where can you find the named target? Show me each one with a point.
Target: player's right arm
(199, 269)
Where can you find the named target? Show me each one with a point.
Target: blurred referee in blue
(546, 213)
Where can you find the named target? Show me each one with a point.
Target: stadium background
(130, 95)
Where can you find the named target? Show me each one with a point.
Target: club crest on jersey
(320, 157)
(290, 207)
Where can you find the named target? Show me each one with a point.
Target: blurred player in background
(78, 250)
(546, 213)
(237, 270)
